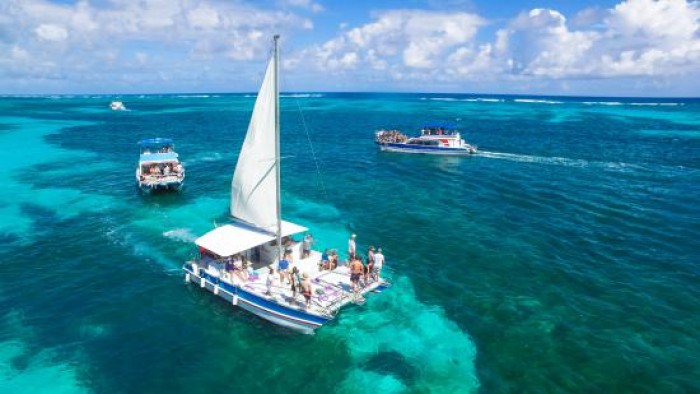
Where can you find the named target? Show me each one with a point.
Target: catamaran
(159, 168)
(236, 259)
(434, 138)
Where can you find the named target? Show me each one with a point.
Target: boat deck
(331, 290)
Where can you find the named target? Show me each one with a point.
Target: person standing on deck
(283, 267)
(356, 271)
(351, 248)
(306, 289)
(270, 280)
(306, 246)
(378, 263)
(296, 282)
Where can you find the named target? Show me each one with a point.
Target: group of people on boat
(162, 170)
(391, 136)
(288, 274)
(363, 273)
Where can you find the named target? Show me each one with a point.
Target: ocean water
(564, 257)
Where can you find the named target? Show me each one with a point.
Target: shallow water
(563, 257)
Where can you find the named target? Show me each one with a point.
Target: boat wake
(560, 161)
(180, 234)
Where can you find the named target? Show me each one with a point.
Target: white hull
(435, 151)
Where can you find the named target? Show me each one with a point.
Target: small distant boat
(434, 138)
(159, 168)
(258, 236)
(117, 106)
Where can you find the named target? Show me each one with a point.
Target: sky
(545, 47)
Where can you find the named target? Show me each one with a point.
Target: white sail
(254, 185)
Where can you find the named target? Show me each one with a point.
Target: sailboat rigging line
(313, 152)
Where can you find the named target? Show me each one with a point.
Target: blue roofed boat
(159, 167)
(238, 261)
(435, 138)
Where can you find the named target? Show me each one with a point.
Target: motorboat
(434, 138)
(159, 167)
(117, 106)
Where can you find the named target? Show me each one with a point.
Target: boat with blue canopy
(159, 167)
(439, 138)
(239, 261)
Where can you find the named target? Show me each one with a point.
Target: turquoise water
(562, 258)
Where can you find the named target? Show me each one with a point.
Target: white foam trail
(196, 96)
(212, 156)
(567, 162)
(657, 104)
(537, 101)
(535, 159)
(302, 95)
(180, 234)
(485, 100)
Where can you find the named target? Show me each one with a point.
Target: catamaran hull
(422, 149)
(271, 311)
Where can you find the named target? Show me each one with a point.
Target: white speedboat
(117, 106)
(434, 138)
(159, 167)
(257, 235)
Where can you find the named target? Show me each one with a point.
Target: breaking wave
(537, 101)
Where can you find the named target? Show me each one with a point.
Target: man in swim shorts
(356, 271)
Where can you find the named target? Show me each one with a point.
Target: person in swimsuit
(296, 282)
(283, 268)
(356, 270)
(306, 290)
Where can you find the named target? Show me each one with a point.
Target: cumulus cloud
(635, 38)
(58, 39)
(178, 40)
(414, 39)
(51, 32)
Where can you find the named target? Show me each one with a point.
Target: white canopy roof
(230, 239)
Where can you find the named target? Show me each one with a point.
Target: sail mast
(277, 146)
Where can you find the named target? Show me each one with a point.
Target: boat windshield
(156, 145)
(417, 141)
(437, 131)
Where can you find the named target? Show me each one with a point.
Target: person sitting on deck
(334, 260)
(239, 269)
(166, 169)
(306, 289)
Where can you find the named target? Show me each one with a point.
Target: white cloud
(107, 38)
(175, 40)
(51, 32)
(415, 39)
(307, 4)
(636, 38)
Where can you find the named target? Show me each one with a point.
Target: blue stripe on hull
(269, 310)
(424, 149)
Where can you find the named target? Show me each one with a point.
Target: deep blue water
(562, 258)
